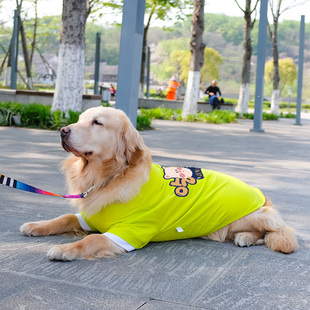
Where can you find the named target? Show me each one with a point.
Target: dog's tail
(282, 240)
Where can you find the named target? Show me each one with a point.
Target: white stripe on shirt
(116, 239)
(82, 222)
(119, 241)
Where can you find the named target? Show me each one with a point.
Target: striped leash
(28, 188)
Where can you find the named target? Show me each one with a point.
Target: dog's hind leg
(243, 239)
(278, 236)
(264, 225)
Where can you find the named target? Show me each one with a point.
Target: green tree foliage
(164, 67)
(180, 59)
(5, 38)
(110, 38)
(212, 63)
(164, 10)
(231, 29)
(48, 33)
(287, 69)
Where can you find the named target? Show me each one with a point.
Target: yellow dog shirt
(176, 203)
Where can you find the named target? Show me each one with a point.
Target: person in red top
(112, 90)
(172, 88)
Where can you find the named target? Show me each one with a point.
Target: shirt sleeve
(86, 226)
(137, 235)
(119, 241)
(207, 90)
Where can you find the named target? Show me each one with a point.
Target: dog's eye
(95, 122)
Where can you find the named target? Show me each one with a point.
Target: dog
(132, 201)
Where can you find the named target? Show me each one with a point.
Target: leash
(28, 188)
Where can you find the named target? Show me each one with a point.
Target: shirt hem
(119, 241)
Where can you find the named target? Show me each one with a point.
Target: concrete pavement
(185, 275)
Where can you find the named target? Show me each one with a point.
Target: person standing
(214, 95)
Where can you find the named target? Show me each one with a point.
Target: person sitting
(214, 95)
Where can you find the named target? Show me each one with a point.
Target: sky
(228, 7)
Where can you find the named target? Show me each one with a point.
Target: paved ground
(189, 274)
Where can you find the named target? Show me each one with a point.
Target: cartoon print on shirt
(182, 177)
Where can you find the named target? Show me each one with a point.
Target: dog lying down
(134, 202)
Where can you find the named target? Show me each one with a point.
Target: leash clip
(84, 194)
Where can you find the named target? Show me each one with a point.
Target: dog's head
(103, 134)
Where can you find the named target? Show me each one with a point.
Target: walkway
(179, 275)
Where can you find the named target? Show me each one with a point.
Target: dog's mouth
(69, 149)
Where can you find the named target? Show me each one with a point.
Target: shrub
(266, 116)
(35, 116)
(215, 117)
(287, 115)
(40, 116)
(161, 113)
(143, 122)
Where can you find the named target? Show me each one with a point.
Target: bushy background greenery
(40, 116)
(35, 116)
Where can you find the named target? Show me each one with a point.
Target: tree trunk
(26, 56)
(275, 99)
(34, 37)
(71, 58)
(5, 57)
(144, 52)
(197, 56)
(7, 80)
(244, 94)
(143, 60)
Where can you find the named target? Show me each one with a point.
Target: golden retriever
(110, 158)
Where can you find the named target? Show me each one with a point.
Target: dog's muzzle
(64, 134)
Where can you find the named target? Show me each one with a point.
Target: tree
(196, 61)
(287, 72)
(71, 57)
(163, 10)
(244, 94)
(276, 11)
(27, 60)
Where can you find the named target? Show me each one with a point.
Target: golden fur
(109, 154)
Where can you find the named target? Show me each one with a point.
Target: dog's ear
(134, 145)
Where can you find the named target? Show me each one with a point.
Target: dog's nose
(65, 131)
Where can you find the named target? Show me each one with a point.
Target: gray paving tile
(260, 281)
(20, 291)
(190, 274)
(162, 305)
(172, 271)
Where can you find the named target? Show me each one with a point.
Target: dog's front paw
(33, 229)
(63, 252)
